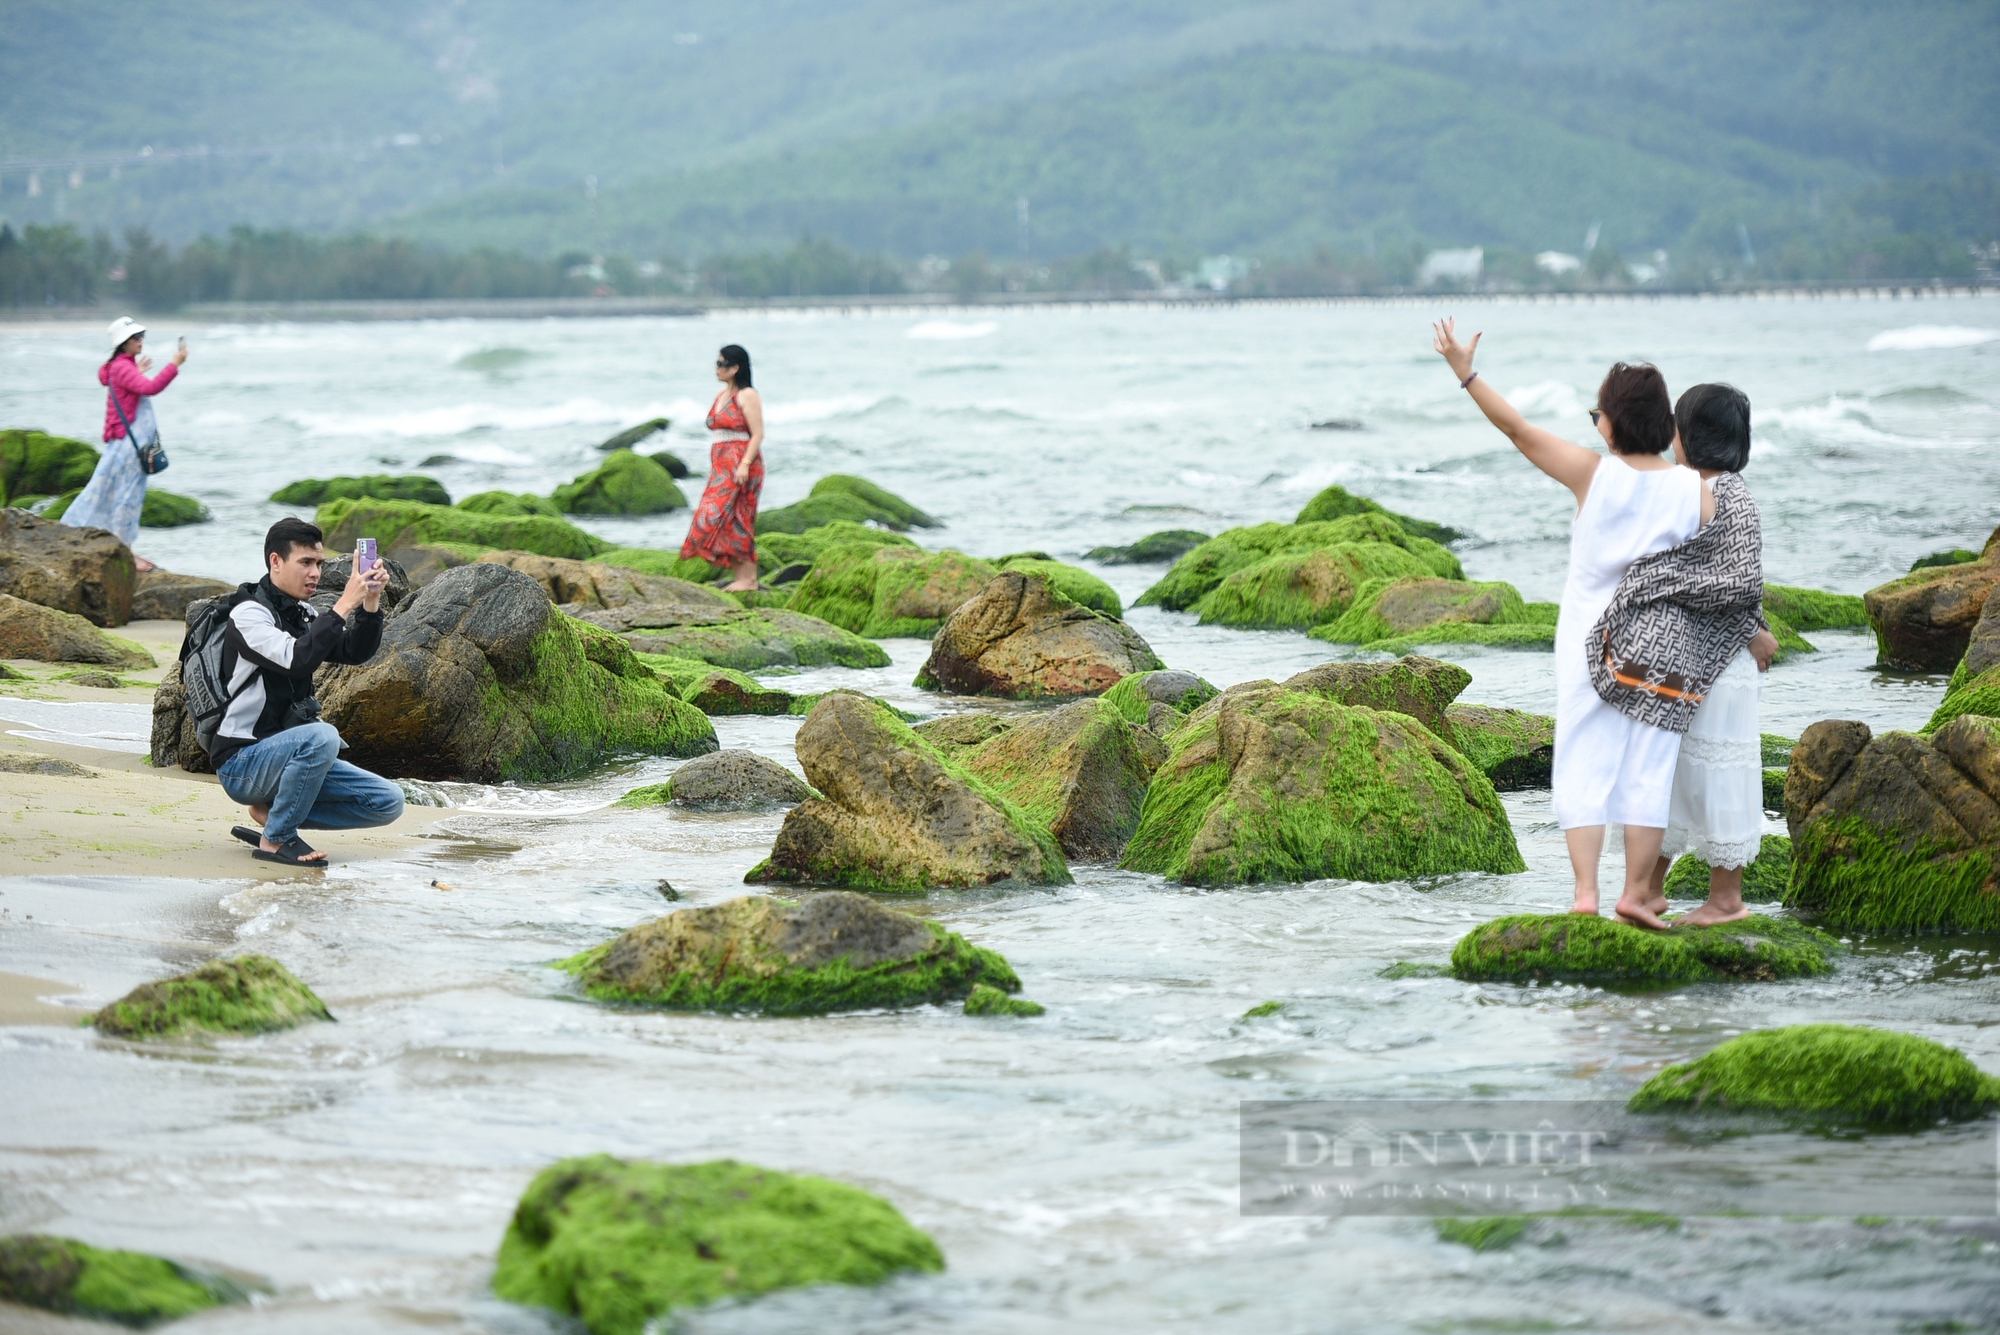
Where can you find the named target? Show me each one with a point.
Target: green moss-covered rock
(161, 509)
(897, 814)
(1789, 640)
(1302, 590)
(818, 511)
(1422, 688)
(1277, 783)
(1338, 502)
(480, 678)
(676, 467)
(900, 513)
(1080, 771)
(1532, 637)
(732, 779)
(1077, 585)
(742, 638)
(1512, 748)
(1020, 638)
(631, 436)
(1773, 749)
(247, 995)
(1978, 695)
(1411, 605)
(618, 1244)
(835, 951)
(30, 630)
(1582, 948)
(1153, 549)
(653, 561)
(1764, 880)
(881, 591)
(100, 1284)
(1136, 697)
(1774, 790)
(1827, 1072)
(1951, 556)
(986, 999)
(34, 463)
(1489, 1233)
(1924, 620)
(1813, 609)
(1198, 574)
(624, 484)
(715, 690)
(373, 486)
(1896, 833)
(511, 505)
(777, 550)
(398, 524)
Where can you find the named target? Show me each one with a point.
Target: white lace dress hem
(1718, 799)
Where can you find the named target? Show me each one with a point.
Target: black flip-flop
(249, 835)
(290, 853)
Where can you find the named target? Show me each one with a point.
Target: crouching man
(271, 751)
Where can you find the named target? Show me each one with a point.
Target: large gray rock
(173, 731)
(30, 630)
(81, 570)
(161, 595)
(1021, 638)
(725, 779)
(576, 585)
(333, 580)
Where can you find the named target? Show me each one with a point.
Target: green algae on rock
(618, 1244)
(1924, 620)
(1951, 556)
(250, 994)
(1421, 687)
(1302, 590)
(1827, 1072)
(1979, 696)
(718, 691)
(898, 814)
(518, 505)
(1139, 694)
(1490, 1233)
(1814, 609)
(986, 999)
(35, 463)
(1764, 880)
(373, 486)
(480, 678)
(745, 639)
(631, 436)
(395, 524)
(777, 550)
(1202, 570)
(1154, 549)
(1277, 783)
(1512, 748)
(161, 509)
(834, 951)
(901, 514)
(624, 484)
(30, 630)
(1384, 609)
(1080, 771)
(1581, 948)
(102, 1284)
(1262, 1009)
(1076, 584)
(1896, 833)
(883, 591)
(1337, 502)
(837, 498)
(1021, 638)
(653, 561)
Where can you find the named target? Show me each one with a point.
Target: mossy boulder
(1302, 590)
(777, 550)
(1897, 833)
(1814, 609)
(631, 437)
(1583, 948)
(29, 630)
(1158, 700)
(986, 999)
(1410, 606)
(1160, 548)
(34, 463)
(251, 994)
(624, 484)
(1338, 502)
(510, 505)
(1764, 880)
(897, 814)
(1421, 687)
(1076, 584)
(373, 486)
(654, 561)
(1924, 620)
(398, 524)
(102, 1284)
(724, 779)
(834, 951)
(166, 509)
(1021, 638)
(618, 1244)
(676, 466)
(838, 498)
(901, 514)
(1279, 783)
(1081, 771)
(1512, 748)
(81, 570)
(580, 584)
(1950, 556)
(883, 591)
(742, 638)
(480, 678)
(717, 690)
(1975, 682)
(1839, 1073)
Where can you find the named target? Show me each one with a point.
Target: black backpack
(207, 663)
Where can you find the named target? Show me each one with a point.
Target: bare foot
(142, 563)
(1639, 914)
(739, 588)
(1709, 914)
(1585, 903)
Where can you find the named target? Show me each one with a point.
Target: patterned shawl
(1680, 615)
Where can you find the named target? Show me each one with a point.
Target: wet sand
(21, 1003)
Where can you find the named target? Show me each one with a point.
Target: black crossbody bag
(152, 455)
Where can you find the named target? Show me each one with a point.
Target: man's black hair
(1714, 422)
(288, 533)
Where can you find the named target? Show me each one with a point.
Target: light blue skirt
(117, 491)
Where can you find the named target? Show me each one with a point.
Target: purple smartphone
(364, 556)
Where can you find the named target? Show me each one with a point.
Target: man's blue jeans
(299, 775)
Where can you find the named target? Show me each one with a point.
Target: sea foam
(1919, 337)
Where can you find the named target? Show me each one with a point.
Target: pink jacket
(130, 384)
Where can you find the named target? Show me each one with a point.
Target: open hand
(145, 364)
(1445, 341)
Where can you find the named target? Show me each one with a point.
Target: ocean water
(1079, 1170)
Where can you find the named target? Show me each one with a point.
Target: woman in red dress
(724, 530)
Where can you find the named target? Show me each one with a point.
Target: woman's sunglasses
(720, 364)
(1596, 414)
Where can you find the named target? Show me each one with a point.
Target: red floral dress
(724, 531)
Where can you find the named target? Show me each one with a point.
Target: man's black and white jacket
(272, 647)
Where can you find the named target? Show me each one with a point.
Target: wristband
(1467, 382)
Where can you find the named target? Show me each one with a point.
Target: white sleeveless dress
(1611, 769)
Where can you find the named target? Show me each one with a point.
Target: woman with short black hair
(724, 529)
(1609, 768)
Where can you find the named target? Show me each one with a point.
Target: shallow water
(1080, 1170)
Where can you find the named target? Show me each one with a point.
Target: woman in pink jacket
(116, 493)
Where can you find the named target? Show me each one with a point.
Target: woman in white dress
(1609, 768)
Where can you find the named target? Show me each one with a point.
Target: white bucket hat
(123, 328)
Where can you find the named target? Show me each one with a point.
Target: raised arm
(1568, 463)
